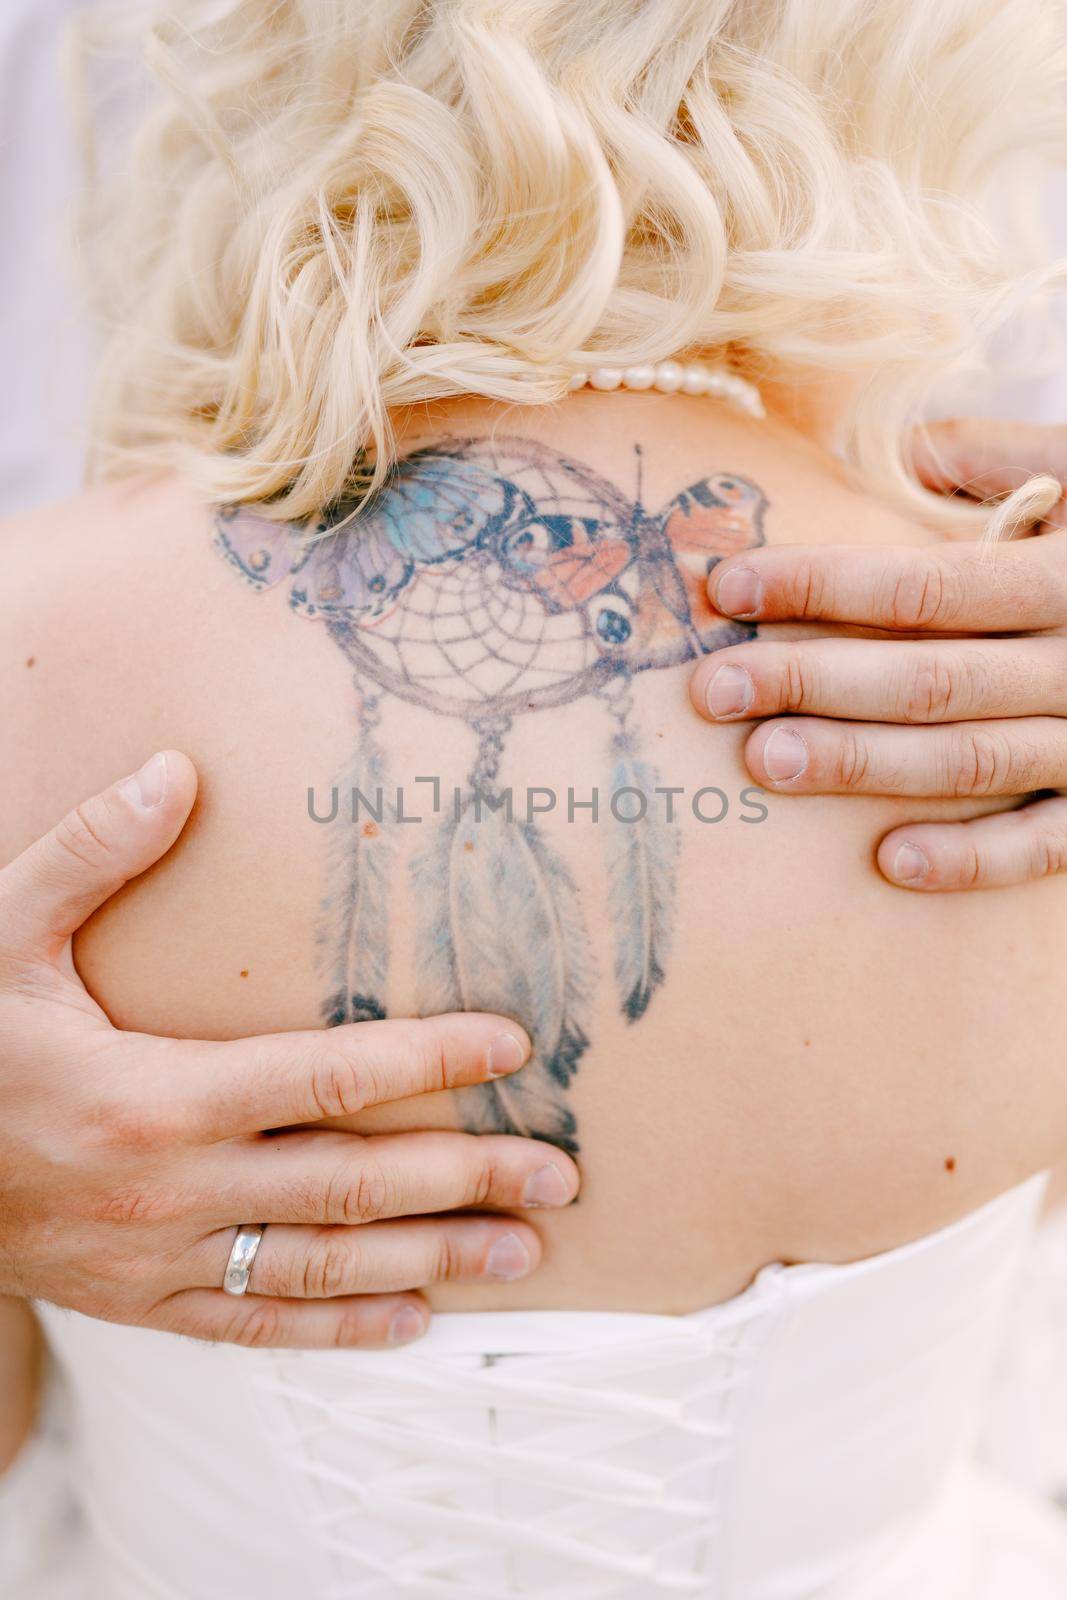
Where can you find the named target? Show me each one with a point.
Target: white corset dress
(812, 1437)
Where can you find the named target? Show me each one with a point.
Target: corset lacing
(585, 1476)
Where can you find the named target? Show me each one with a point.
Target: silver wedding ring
(243, 1256)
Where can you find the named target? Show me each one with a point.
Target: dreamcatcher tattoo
(488, 579)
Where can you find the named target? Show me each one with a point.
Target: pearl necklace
(670, 377)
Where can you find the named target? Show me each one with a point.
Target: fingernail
(729, 692)
(910, 863)
(546, 1187)
(506, 1055)
(147, 787)
(508, 1258)
(408, 1324)
(739, 592)
(785, 755)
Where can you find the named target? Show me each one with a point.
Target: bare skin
(898, 1078)
(20, 1355)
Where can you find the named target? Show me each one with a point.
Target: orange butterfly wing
(716, 517)
(701, 534)
(571, 577)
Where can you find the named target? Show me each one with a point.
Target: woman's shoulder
(122, 625)
(100, 624)
(105, 513)
(72, 566)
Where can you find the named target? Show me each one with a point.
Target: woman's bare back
(758, 1049)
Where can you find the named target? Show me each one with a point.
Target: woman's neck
(811, 401)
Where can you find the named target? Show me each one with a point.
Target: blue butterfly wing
(439, 504)
(263, 552)
(433, 508)
(356, 572)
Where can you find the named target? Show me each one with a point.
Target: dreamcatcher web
(478, 628)
(460, 634)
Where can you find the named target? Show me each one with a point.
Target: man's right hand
(127, 1161)
(973, 704)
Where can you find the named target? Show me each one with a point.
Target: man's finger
(409, 1253)
(984, 458)
(340, 1178)
(816, 756)
(48, 892)
(1016, 587)
(282, 1079)
(938, 680)
(366, 1322)
(988, 853)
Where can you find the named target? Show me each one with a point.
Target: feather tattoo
(354, 938)
(642, 851)
(501, 930)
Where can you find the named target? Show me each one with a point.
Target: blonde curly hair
(332, 208)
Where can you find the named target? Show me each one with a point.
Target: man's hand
(969, 715)
(127, 1161)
